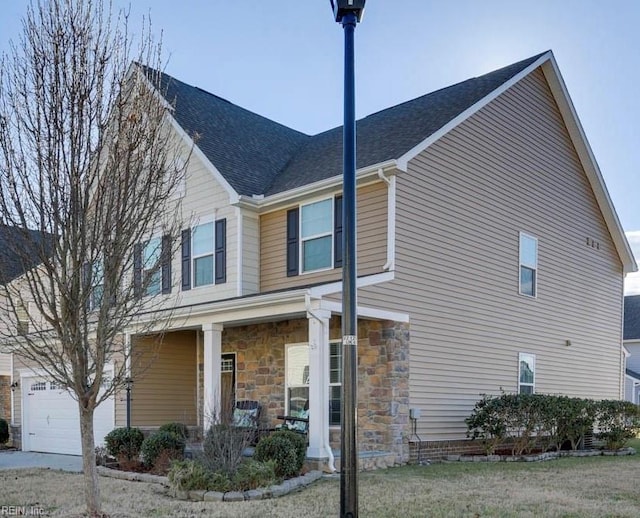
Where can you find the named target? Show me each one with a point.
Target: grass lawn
(575, 487)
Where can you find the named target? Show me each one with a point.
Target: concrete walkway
(11, 459)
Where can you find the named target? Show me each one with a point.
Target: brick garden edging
(539, 456)
(288, 486)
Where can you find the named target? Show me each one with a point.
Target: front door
(228, 382)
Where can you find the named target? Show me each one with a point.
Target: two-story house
(490, 258)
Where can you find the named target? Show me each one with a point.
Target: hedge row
(527, 421)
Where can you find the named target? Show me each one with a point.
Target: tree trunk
(91, 487)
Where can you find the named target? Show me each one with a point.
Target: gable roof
(257, 156)
(19, 251)
(632, 317)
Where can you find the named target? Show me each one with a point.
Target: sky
(284, 60)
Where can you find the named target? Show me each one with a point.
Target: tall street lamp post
(349, 13)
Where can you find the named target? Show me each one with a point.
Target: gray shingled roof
(19, 251)
(259, 156)
(632, 317)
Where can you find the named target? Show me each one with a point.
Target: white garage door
(51, 421)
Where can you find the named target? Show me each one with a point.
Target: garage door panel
(52, 419)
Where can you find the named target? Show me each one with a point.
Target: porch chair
(246, 415)
(296, 422)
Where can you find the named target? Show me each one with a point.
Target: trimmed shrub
(124, 442)
(252, 474)
(287, 449)
(4, 431)
(487, 422)
(618, 421)
(161, 443)
(188, 475)
(178, 429)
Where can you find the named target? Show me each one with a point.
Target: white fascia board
(589, 163)
(316, 188)
(361, 282)
(403, 161)
(233, 195)
(367, 312)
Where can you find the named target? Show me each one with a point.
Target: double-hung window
(526, 373)
(314, 236)
(204, 254)
(528, 265)
(96, 282)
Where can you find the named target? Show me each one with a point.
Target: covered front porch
(285, 353)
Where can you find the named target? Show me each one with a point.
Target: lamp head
(342, 7)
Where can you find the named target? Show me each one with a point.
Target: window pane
(528, 251)
(154, 280)
(334, 404)
(202, 239)
(527, 281)
(526, 389)
(335, 362)
(203, 268)
(316, 218)
(316, 253)
(298, 397)
(151, 253)
(527, 367)
(298, 365)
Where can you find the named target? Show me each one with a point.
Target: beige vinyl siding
(509, 168)
(250, 254)
(5, 364)
(372, 243)
(164, 381)
(206, 200)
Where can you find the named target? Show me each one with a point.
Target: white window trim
(521, 264)
(204, 221)
(532, 385)
(302, 271)
(330, 384)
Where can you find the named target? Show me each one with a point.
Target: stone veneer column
(212, 372)
(318, 384)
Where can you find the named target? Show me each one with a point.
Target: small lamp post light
(349, 13)
(129, 385)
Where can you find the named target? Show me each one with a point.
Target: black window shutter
(186, 259)
(292, 242)
(137, 270)
(337, 232)
(221, 251)
(165, 259)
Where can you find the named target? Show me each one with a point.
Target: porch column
(212, 363)
(318, 384)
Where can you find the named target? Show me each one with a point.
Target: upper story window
(314, 236)
(526, 373)
(528, 265)
(204, 254)
(152, 266)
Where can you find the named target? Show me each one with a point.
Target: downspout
(13, 390)
(391, 219)
(327, 446)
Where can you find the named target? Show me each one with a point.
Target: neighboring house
(632, 348)
(490, 258)
(11, 267)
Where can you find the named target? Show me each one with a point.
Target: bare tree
(88, 172)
